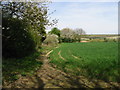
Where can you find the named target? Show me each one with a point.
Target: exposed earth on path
(48, 76)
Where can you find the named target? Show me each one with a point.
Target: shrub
(18, 38)
(97, 40)
(51, 39)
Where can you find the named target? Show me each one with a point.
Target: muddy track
(49, 77)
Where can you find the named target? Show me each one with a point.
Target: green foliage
(23, 27)
(94, 59)
(97, 40)
(103, 40)
(18, 41)
(20, 67)
(111, 40)
(55, 31)
(69, 40)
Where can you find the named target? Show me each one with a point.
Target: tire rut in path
(53, 78)
(50, 77)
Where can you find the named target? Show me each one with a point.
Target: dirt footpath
(53, 78)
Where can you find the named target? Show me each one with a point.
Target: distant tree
(80, 31)
(67, 33)
(55, 31)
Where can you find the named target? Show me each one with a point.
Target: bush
(51, 39)
(18, 38)
(69, 40)
(97, 40)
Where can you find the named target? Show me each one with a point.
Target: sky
(93, 17)
(85, 0)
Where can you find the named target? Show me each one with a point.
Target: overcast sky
(93, 17)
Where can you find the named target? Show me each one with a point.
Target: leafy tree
(35, 14)
(24, 25)
(55, 31)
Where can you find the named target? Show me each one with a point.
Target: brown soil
(49, 77)
(84, 41)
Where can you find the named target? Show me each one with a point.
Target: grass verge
(13, 69)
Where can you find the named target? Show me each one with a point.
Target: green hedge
(18, 38)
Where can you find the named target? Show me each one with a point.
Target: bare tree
(80, 31)
(67, 33)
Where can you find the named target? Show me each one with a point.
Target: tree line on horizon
(68, 34)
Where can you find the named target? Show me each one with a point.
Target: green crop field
(96, 60)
